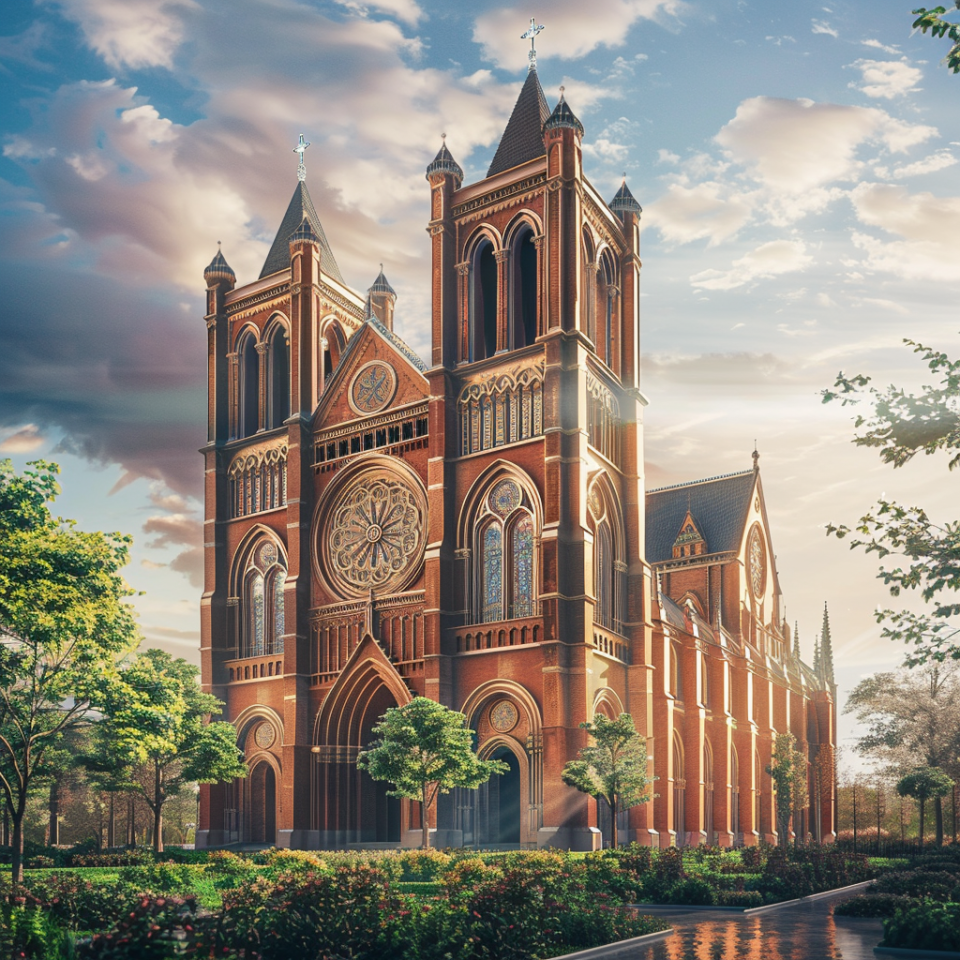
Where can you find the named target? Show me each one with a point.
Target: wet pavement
(807, 931)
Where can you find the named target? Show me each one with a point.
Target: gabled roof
(301, 208)
(719, 506)
(523, 138)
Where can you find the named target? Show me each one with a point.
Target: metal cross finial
(300, 148)
(531, 35)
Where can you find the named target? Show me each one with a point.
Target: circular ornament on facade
(595, 503)
(268, 554)
(756, 558)
(372, 387)
(264, 736)
(503, 716)
(504, 498)
(374, 536)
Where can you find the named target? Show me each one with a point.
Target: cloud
(821, 26)
(877, 45)
(573, 29)
(738, 373)
(25, 440)
(130, 33)
(925, 224)
(930, 164)
(768, 260)
(710, 211)
(405, 10)
(22, 48)
(179, 529)
(887, 78)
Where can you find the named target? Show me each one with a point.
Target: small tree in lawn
(156, 739)
(613, 768)
(923, 784)
(424, 748)
(788, 772)
(64, 623)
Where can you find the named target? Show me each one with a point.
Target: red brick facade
(475, 532)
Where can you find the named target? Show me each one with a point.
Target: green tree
(788, 770)
(424, 749)
(926, 555)
(64, 623)
(923, 784)
(156, 739)
(933, 21)
(613, 768)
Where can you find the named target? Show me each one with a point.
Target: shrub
(636, 859)
(423, 864)
(116, 858)
(463, 876)
(872, 905)
(739, 898)
(603, 873)
(27, 933)
(81, 904)
(40, 863)
(752, 858)
(151, 930)
(936, 885)
(694, 891)
(924, 926)
(296, 861)
(668, 864)
(229, 871)
(158, 878)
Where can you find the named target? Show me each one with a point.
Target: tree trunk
(425, 819)
(16, 848)
(923, 804)
(938, 818)
(158, 828)
(614, 837)
(131, 821)
(55, 813)
(112, 823)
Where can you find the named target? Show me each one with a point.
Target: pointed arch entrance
(263, 804)
(349, 807)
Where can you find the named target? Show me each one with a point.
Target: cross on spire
(531, 35)
(300, 149)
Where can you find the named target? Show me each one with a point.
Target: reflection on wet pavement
(805, 932)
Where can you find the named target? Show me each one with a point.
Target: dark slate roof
(624, 200)
(219, 269)
(301, 208)
(719, 507)
(563, 116)
(443, 162)
(381, 284)
(523, 138)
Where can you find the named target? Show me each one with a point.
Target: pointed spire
(563, 116)
(826, 649)
(381, 299)
(444, 163)
(624, 201)
(796, 641)
(756, 458)
(300, 208)
(522, 139)
(816, 655)
(381, 284)
(218, 269)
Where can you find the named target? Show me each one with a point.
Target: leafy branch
(933, 21)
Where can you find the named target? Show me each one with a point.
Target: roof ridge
(693, 483)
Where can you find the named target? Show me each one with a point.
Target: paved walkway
(804, 932)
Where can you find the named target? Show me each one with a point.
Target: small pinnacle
(443, 136)
(218, 243)
(381, 268)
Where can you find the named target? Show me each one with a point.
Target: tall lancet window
(523, 314)
(279, 385)
(506, 555)
(483, 303)
(262, 602)
(248, 392)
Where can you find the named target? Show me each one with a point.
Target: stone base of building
(570, 838)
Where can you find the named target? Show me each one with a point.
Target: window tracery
(258, 481)
(603, 419)
(262, 603)
(502, 409)
(506, 548)
(609, 568)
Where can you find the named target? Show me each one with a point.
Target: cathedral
(475, 529)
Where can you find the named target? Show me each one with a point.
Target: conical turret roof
(522, 140)
(443, 162)
(301, 208)
(563, 116)
(381, 284)
(624, 200)
(219, 269)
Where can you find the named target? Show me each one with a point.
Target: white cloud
(20, 148)
(405, 10)
(666, 156)
(821, 26)
(573, 28)
(935, 161)
(707, 211)
(887, 79)
(130, 33)
(768, 260)
(25, 439)
(877, 45)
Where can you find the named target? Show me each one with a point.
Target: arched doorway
(379, 814)
(263, 804)
(499, 803)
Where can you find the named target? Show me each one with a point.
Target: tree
(425, 749)
(64, 623)
(933, 21)
(613, 768)
(156, 739)
(922, 784)
(900, 426)
(911, 716)
(789, 774)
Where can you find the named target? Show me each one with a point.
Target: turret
(220, 280)
(445, 176)
(381, 299)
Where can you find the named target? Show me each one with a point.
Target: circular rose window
(756, 558)
(264, 736)
(503, 716)
(374, 534)
(372, 387)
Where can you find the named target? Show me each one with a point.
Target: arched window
(606, 309)
(249, 387)
(757, 771)
(279, 386)
(603, 565)
(707, 792)
(483, 302)
(609, 568)
(676, 678)
(262, 602)
(679, 788)
(524, 306)
(735, 795)
(590, 287)
(704, 681)
(506, 556)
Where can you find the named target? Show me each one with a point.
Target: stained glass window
(522, 549)
(491, 566)
(256, 615)
(603, 576)
(278, 581)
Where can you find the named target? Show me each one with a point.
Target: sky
(797, 166)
